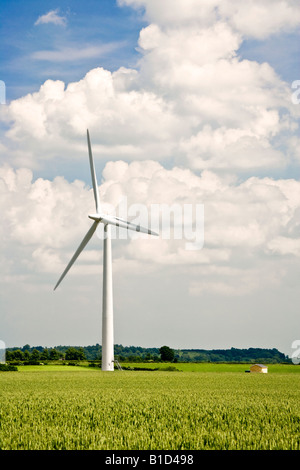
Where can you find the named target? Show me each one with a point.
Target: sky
(190, 104)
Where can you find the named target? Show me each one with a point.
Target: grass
(211, 406)
(182, 367)
(213, 367)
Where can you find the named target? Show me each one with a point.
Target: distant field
(213, 367)
(204, 406)
(182, 367)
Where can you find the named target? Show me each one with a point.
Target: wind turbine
(107, 301)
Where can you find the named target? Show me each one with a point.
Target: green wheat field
(199, 406)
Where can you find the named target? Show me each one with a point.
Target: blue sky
(282, 51)
(184, 105)
(99, 24)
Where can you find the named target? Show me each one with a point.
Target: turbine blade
(127, 225)
(86, 239)
(93, 174)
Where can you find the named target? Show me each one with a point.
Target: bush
(7, 367)
(31, 363)
(139, 368)
(169, 369)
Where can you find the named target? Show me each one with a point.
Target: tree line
(258, 355)
(139, 354)
(38, 354)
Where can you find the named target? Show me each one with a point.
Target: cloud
(51, 17)
(190, 99)
(247, 226)
(250, 18)
(71, 54)
(285, 246)
(221, 115)
(261, 19)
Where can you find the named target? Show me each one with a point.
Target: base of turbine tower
(108, 367)
(107, 308)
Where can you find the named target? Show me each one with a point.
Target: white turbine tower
(107, 306)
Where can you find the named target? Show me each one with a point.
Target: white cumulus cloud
(48, 219)
(250, 17)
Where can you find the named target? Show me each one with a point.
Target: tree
(35, 355)
(26, 355)
(18, 355)
(73, 354)
(9, 356)
(45, 355)
(53, 354)
(167, 354)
